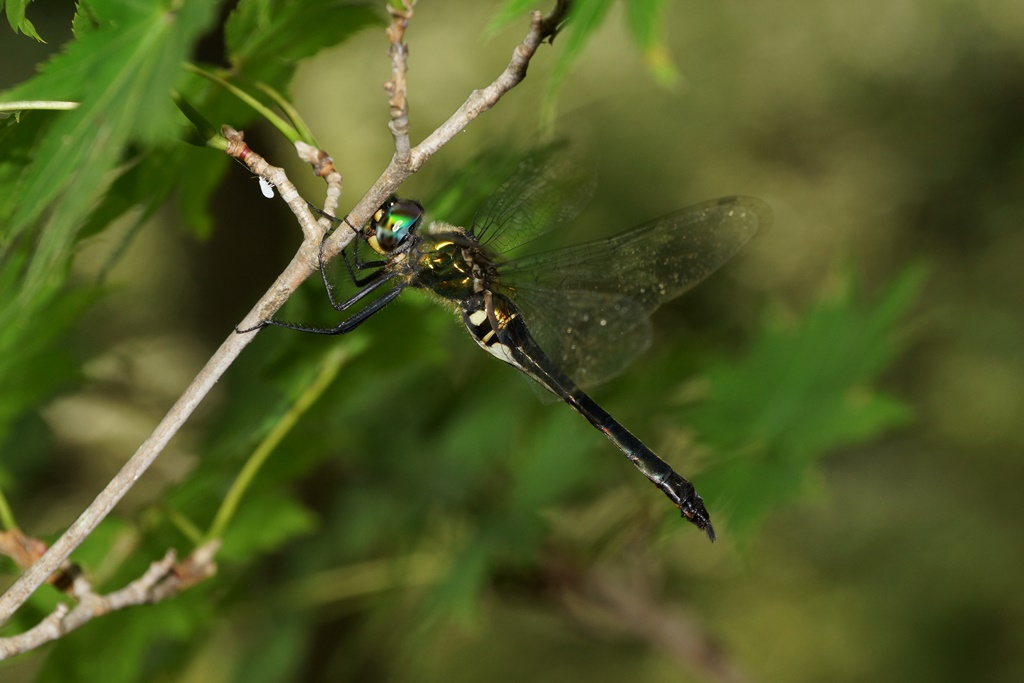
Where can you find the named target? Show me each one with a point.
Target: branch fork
(167, 577)
(163, 579)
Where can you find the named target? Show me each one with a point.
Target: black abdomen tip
(700, 519)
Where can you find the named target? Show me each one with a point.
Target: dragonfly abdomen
(496, 325)
(678, 489)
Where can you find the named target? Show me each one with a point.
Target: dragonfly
(565, 318)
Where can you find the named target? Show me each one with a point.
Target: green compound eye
(394, 221)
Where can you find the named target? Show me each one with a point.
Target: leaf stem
(27, 105)
(6, 514)
(286, 129)
(328, 371)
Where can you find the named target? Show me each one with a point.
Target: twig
(164, 578)
(396, 87)
(541, 28)
(237, 148)
(303, 264)
(323, 166)
(221, 360)
(307, 260)
(25, 550)
(122, 482)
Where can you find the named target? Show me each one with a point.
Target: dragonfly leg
(354, 265)
(352, 321)
(359, 265)
(357, 281)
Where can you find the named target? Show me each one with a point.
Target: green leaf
(512, 10)
(644, 18)
(581, 24)
(193, 172)
(280, 647)
(18, 137)
(122, 73)
(121, 69)
(264, 521)
(199, 182)
(550, 463)
(802, 392)
(99, 555)
(458, 594)
(32, 362)
(266, 39)
(16, 18)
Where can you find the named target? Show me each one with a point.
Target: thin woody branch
(275, 175)
(396, 87)
(122, 482)
(163, 579)
(303, 264)
(307, 260)
(25, 550)
(323, 166)
(541, 28)
(55, 558)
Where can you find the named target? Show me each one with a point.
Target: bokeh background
(428, 519)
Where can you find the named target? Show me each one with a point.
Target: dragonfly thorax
(450, 262)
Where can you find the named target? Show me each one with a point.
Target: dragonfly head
(393, 222)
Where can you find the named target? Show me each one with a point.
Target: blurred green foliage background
(846, 394)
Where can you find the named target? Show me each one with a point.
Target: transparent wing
(588, 305)
(548, 189)
(591, 336)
